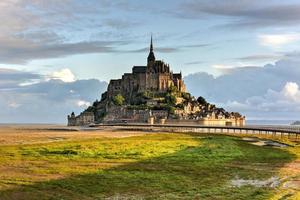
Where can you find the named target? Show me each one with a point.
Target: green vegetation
(187, 96)
(100, 115)
(91, 109)
(170, 99)
(138, 107)
(172, 89)
(201, 100)
(152, 166)
(171, 110)
(118, 100)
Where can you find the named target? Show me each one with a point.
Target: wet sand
(30, 134)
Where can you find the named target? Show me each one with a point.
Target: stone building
(84, 118)
(155, 76)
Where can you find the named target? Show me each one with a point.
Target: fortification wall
(84, 118)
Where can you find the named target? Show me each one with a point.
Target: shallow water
(271, 182)
(263, 142)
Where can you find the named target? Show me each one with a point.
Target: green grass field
(152, 166)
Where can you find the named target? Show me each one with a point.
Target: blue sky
(249, 46)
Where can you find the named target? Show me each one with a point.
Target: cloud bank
(267, 92)
(243, 14)
(49, 100)
(277, 40)
(33, 29)
(271, 91)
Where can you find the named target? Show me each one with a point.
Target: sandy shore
(29, 134)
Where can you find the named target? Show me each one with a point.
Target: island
(153, 94)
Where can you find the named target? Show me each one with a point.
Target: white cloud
(230, 66)
(83, 104)
(287, 100)
(221, 66)
(30, 82)
(270, 91)
(64, 75)
(14, 105)
(278, 40)
(291, 92)
(30, 103)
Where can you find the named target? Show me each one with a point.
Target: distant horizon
(248, 122)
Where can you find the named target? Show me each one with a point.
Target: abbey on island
(153, 94)
(155, 77)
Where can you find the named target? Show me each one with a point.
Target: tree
(201, 101)
(118, 100)
(172, 89)
(171, 110)
(187, 96)
(96, 103)
(170, 99)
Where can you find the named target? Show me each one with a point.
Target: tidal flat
(38, 162)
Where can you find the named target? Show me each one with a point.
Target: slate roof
(139, 69)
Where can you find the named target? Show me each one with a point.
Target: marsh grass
(153, 166)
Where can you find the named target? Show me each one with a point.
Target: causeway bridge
(291, 132)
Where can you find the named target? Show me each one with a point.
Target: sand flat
(32, 134)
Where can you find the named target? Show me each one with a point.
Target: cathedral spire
(151, 57)
(151, 44)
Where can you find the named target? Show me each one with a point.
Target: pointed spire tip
(151, 44)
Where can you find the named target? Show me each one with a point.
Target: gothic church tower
(151, 57)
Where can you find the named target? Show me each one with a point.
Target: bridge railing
(272, 131)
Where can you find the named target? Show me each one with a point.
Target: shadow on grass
(202, 172)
